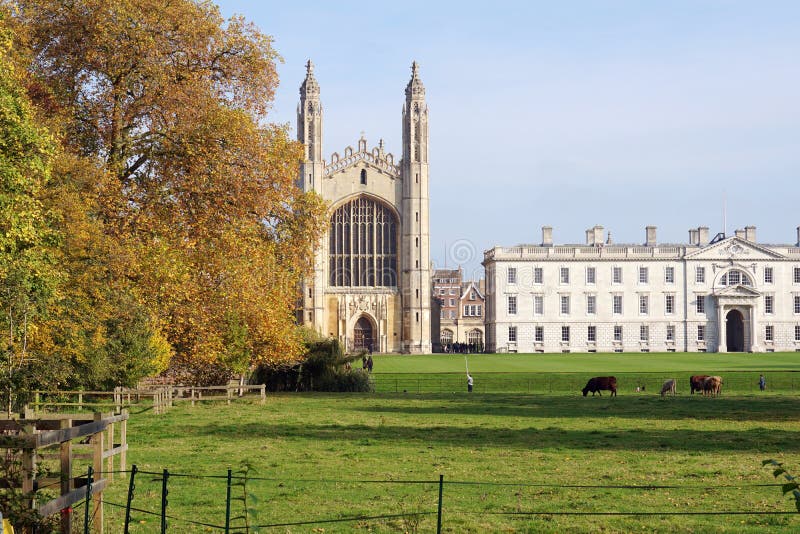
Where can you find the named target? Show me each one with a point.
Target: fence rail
(554, 383)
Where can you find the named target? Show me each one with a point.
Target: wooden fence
(162, 397)
(36, 439)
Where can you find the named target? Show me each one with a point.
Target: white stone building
(727, 294)
(371, 282)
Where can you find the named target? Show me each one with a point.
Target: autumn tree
(201, 201)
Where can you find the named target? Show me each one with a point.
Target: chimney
(590, 237)
(547, 236)
(702, 236)
(750, 233)
(609, 242)
(651, 236)
(740, 233)
(693, 236)
(598, 235)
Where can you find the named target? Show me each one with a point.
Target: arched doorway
(362, 334)
(734, 328)
(475, 339)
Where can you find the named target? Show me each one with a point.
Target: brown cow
(712, 385)
(696, 382)
(668, 387)
(601, 382)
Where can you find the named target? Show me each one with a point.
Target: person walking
(369, 363)
(469, 383)
(762, 383)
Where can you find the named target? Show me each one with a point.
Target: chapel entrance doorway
(362, 335)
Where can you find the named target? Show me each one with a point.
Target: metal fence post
(228, 504)
(131, 488)
(88, 504)
(439, 514)
(164, 493)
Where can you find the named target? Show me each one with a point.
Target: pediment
(734, 249)
(738, 292)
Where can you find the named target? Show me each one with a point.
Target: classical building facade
(461, 306)
(726, 294)
(371, 282)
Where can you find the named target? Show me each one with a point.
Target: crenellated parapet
(376, 157)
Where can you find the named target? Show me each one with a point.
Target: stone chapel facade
(370, 287)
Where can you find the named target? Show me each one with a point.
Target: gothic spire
(310, 86)
(415, 89)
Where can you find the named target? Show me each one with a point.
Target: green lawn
(328, 456)
(692, 362)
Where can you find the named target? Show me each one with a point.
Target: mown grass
(318, 451)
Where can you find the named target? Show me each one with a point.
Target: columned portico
(737, 308)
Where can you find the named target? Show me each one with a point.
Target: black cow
(696, 383)
(601, 382)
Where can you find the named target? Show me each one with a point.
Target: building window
(769, 304)
(768, 278)
(591, 304)
(701, 332)
(472, 295)
(564, 304)
(466, 311)
(669, 275)
(442, 291)
(452, 315)
(618, 333)
(617, 304)
(700, 275)
(644, 333)
(734, 278)
(644, 275)
(644, 304)
(797, 332)
(669, 304)
(452, 302)
(591, 275)
(538, 305)
(616, 275)
(564, 333)
(512, 333)
(538, 275)
(446, 337)
(479, 311)
(363, 245)
(769, 333)
(797, 303)
(797, 275)
(452, 291)
(539, 334)
(512, 275)
(564, 275)
(701, 304)
(591, 333)
(670, 332)
(363, 176)
(512, 304)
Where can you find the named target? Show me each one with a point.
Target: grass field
(631, 362)
(328, 456)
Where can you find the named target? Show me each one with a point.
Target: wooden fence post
(263, 393)
(123, 441)
(67, 484)
(97, 466)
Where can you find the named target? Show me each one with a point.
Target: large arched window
(734, 277)
(446, 336)
(363, 245)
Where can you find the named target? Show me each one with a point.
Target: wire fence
(734, 382)
(239, 502)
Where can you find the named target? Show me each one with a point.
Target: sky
(569, 114)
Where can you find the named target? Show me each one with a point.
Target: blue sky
(569, 114)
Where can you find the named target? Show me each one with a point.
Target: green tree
(28, 278)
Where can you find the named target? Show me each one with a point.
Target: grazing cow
(712, 385)
(696, 382)
(668, 387)
(601, 382)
